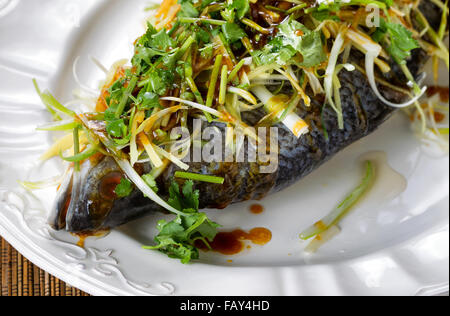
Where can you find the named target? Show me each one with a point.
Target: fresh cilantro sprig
(240, 6)
(124, 188)
(398, 40)
(188, 10)
(292, 38)
(177, 238)
(233, 32)
(150, 181)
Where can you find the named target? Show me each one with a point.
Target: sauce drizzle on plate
(232, 243)
(256, 209)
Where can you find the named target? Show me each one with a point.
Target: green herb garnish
(241, 7)
(399, 41)
(292, 38)
(150, 181)
(232, 32)
(124, 188)
(177, 238)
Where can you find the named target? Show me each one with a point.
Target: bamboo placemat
(19, 277)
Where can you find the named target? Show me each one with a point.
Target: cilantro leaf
(292, 33)
(241, 7)
(116, 92)
(162, 41)
(307, 43)
(175, 250)
(402, 42)
(202, 35)
(293, 37)
(311, 49)
(152, 44)
(147, 100)
(191, 197)
(400, 38)
(232, 32)
(150, 181)
(147, 37)
(207, 51)
(228, 14)
(188, 10)
(185, 200)
(124, 188)
(159, 80)
(323, 15)
(145, 54)
(273, 52)
(109, 114)
(177, 238)
(117, 128)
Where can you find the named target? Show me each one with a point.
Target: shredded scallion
(199, 177)
(336, 215)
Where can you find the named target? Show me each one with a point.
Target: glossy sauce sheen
(83, 236)
(256, 209)
(443, 92)
(232, 243)
(389, 184)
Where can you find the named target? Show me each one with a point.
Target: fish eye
(108, 185)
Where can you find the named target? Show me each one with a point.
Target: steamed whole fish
(87, 202)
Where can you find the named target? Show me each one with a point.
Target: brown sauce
(232, 243)
(443, 92)
(256, 209)
(83, 236)
(285, 5)
(299, 33)
(96, 158)
(438, 117)
(81, 240)
(108, 185)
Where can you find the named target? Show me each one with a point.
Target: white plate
(397, 247)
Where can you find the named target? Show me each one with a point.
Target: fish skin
(363, 113)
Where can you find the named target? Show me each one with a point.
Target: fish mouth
(87, 203)
(57, 218)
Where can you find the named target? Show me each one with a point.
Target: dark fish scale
(363, 112)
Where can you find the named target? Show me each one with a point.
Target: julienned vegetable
(199, 177)
(336, 215)
(217, 60)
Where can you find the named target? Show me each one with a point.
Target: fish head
(86, 197)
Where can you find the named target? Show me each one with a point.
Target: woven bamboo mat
(19, 277)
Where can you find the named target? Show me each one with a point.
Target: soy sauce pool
(232, 243)
(256, 209)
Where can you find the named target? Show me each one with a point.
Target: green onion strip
(343, 208)
(199, 177)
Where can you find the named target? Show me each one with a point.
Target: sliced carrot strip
(164, 8)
